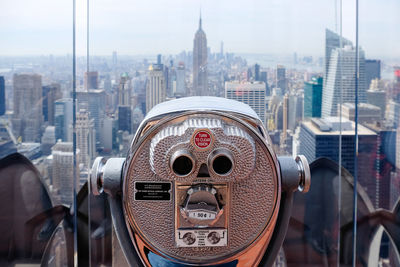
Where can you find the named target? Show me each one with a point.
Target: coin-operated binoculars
(200, 186)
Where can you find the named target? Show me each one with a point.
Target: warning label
(202, 139)
(152, 191)
(201, 238)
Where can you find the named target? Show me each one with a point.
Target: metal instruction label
(201, 238)
(153, 191)
(202, 139)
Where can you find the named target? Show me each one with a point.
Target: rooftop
(331, 126)
(362, 106)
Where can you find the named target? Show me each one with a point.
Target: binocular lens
(222, 165)
(182, 165)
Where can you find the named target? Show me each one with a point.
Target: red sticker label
(202, 139)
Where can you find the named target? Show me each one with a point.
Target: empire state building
(200, 85)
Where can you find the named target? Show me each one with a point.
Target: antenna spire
(200, 19)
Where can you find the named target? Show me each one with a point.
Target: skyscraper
(295, 110)
(51, 93)
(28, 111)
(2, 96)
(320, 138)
(63, 171)
(341, 75)
(376, 159)
(367, 113)
(385, 164)
(200, 83)
(170, 73)
(257, 72)
(264, 78)
(393, 113)
(278, 117)
(124, 108)
(91, 80)
(48, 140)
(281, 78)
(93, 101)
(63, 119)
(159, 59)
(285, 117)
(332, 41)
(180, 88)
(395, 92)
(125, 118)
(313, 97)
(109, 134)
(114, 58)
(372, 70)
(251, 93)
(376, 95)
(156, 87)
(124, 90)
(85, 138)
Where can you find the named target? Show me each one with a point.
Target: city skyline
(258, 27)
(282, 58)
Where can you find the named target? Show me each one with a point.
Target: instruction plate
(201, 238)
(152, 191)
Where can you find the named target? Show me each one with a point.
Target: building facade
(320, 138)
(372, 70)
(376, 96)
(200, 75)
(156, 87)
(28, 107)
(93, 101)
(125, 119)
(91, 80)
(85, 138)
(180, 85)
(63, 171)
(63, 119)
(250, 93)
(332, 41)
(2, 96)
(124, 90)
(313, 97)
(281, 81)
(367, 113)
(51, 93)
(341, 83)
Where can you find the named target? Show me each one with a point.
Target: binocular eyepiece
(201, 185)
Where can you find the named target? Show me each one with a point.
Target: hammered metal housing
(178, 137)
(253, 183)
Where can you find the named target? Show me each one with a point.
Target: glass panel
(35, 135)
(270, 55)
(378, 112)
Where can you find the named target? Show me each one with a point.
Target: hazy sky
(168, 26)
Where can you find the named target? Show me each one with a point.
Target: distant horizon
(168, 27)
(153, 56)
